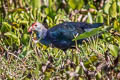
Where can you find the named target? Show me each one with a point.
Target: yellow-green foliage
(96, 59)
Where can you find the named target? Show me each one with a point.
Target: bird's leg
(78, 49)
(65, 52)
(72, 54)
(76, 45)
(35, 40)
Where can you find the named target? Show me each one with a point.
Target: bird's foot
(77, 49)
(35, 40)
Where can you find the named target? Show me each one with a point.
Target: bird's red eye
(34, 24)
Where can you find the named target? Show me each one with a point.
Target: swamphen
(61, 35)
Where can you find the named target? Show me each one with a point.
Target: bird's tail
(94, 25)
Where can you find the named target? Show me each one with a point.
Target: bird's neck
(42, 33)
(42, 36)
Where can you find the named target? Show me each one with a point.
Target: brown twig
(4, 8)
(85, 70)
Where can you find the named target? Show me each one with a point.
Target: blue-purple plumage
(61, 35)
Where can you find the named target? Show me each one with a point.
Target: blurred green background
(22, 59)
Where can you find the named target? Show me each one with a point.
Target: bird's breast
(45, 42)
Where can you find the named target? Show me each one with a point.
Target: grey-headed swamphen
(61, 35)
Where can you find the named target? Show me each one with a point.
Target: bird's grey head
(39, 28)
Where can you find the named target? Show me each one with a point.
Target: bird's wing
(60, 38)
(62, 34)
(69, 30)
(64, 31)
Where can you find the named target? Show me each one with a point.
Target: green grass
(22, 59)
(54, 64)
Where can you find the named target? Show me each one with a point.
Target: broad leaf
(88, 34)
(89, 20)
(36, 3)
(116, 25)
(113, 50)
(76, 4)
(92, 6)
(113, 9)
(25, 39)
(107, 7)
(99, 18)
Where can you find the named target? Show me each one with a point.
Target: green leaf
(99, 18)
(25, 52)
(92, 59)
(113, 10)
(76, 4)
(107, 7)
(88, 34)
(50, 12)
(77, 69)
(108, 19)
(92, 6)
(11, 35)
(49, 21)
(98, 76)
(6, 27)
(113, 50)
(36, 3)
(25, 39)
(46, 10)
(118, 3)
(116, 25)
(47, 75)
(89, 20)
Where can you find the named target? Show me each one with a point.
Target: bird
(61, 35)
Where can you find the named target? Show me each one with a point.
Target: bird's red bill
(30, 29)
